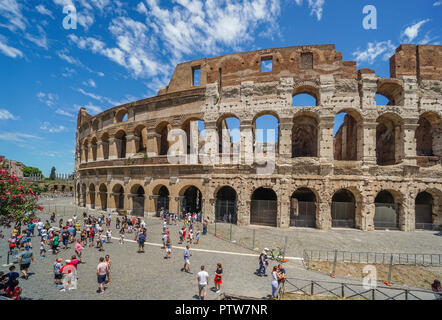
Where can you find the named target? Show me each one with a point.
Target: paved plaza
(149, 276)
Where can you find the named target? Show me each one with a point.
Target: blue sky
(123, 51)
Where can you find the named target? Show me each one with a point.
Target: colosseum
(198, 145)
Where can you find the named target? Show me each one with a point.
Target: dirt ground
(413, 276)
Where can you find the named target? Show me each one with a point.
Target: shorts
(168, 250)
(141, 245)
(24, 266)
(101, 278)
(187, 261)
(58, 276)
(202, 288)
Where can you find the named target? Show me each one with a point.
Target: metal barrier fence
(353, 291)
(254, 239)
(422, 259)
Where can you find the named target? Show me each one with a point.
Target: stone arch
(307, 88)
(95, 124)
(389, 139)
(138, 196)
(162, 131)
(85, 150)
(120, 115)
(141, 133)
(92, 195)
(348, 138)
(392, 89)
(429, 136)
(229, 140)
(226, 204)
(305, 135)
(118, 194)
(255, 127)
(389, 211)
(264, 207)
(161, 195)
(105, 145)
(191, 128)
(424, 205)
(191, 199)
(121, 141)
(94, 145)
(102, 191)
(304, 208)
(344, 206)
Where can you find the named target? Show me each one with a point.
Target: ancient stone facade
(381, 170)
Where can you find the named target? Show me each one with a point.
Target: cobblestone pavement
(149, 276)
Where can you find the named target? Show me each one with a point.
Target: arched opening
(94, 149)
(303, 208)
(424, 211)
(63, 188)
(92, 195)
(118, 192)
(225, 206)
(194, 129)
(162, 200)
(347, 132)
(266, 133)
(305, 137)
(192, 201)
(264, 207)
(86, 150)
(389, 92)
(83, 195)
(138, 197)
(141, 133)
(429, 139)
(388, 140)
(105, 145)
(121, 116)
(424, 138)
(304, 100)
(386, 211)
(103, 196)
(343, 209)
(95, 125)
(163, 145)
(382, 100)
(121, 141)
(305, 96)
(229, 135)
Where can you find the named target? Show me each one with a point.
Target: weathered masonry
(381, 169)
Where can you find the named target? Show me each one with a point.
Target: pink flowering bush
(17, 202)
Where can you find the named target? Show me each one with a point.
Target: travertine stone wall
(234, 86)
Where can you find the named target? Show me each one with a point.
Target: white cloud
(373, 50)
(141, 8)
(437, 3)
(90, 83)
(10, 51)
(411, 32)
(50, 99)
(40, 40)
(6, 115)
(42, 10)
(46, 126)
(316, 7)
(17, 137)
(11, 11)
(64, 113)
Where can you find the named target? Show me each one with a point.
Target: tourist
(108, 260)
(24, 260)
(197, 237)
(3, 284)
(275, 282)
(218, 280)
(101, 275)
(100, 240)
(168, 248)
(12, 275)
(65, 238)
(282, 274)
(78, 250)
(91, 237)
(40, 226)
(437, 289)
(52, 217)
(121, 235)
(186, 260)
(141, 240)
(13, 291)
(205, 224)
(68, 272)
(42, 249)
(181, 235)
(117, 223)
(108, 236)
(60, 224)
(203, 278)
(164, 240)
(57, 274)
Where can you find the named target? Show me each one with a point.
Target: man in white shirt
(203, 278)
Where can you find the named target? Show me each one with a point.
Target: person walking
(168, 248)
(108, 260)
(218, 277)
(275, 282)
(58, 276)
(42, 249)
(186, 260)
(78, 250)
(437, 289)
(203, 278)
(101, 275)
(24, 260)
(68, 272)
(141, 240)
(122, 235)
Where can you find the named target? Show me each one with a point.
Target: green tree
(52, 175)
(30, 171)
